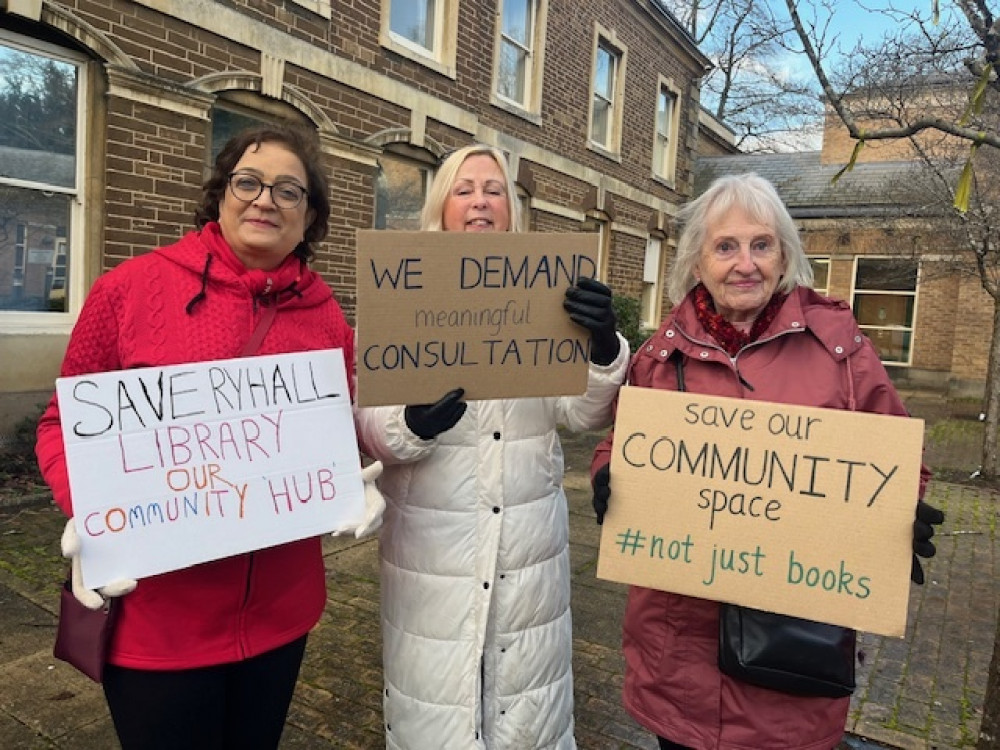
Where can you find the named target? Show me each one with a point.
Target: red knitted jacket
(190, 302)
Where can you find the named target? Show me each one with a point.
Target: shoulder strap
(257, 337)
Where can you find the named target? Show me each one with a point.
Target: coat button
(669, 333)
(496, 509)
(496, 435)
(486, 584)
(839, 349)
(663, 352)
(704, 355)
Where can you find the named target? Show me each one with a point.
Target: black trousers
(240, 705)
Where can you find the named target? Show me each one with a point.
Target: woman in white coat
(475, 577)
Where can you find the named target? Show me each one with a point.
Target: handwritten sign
(174, 466)
(807, 512)
(481, 311)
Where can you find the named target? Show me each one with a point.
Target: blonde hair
(433, 212)
(760, 201)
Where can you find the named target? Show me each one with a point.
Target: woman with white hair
(475, 577)
(746, 325)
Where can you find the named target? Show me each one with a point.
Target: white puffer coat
(476, 628)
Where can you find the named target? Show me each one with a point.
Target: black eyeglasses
(284, 193)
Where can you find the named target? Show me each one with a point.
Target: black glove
(602, 491)
(923, 529)
(427, 421)
(589, 304)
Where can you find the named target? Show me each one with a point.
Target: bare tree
(931, 82)
(752, 88)
(963, 50)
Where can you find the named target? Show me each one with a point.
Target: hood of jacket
(208, 256)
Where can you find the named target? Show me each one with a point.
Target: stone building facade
(596, 103)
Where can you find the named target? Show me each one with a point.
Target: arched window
(237, 110)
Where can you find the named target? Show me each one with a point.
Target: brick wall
(954, 315)
(159, 68)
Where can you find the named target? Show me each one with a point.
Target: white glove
(374, 505)
(87, 597)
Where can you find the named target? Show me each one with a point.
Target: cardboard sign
(173, 466)
(807, 512)
(480, 311)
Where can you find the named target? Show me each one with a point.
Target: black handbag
(779, 652)
(83, 634)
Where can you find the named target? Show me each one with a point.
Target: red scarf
(729, 337)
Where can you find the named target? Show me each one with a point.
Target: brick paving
(923, 692)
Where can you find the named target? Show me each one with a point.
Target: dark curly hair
(300, 142)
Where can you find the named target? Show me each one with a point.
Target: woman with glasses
(208, 657)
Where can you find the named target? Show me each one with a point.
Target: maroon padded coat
(141, 314)
(812, 354)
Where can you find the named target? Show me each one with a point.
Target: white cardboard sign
(174, 466)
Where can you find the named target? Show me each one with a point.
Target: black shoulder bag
(780, 652)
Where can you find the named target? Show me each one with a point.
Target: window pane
(227, 123)
(414, 20)
(821, 274)
(664, 113)
(890, 274)
(651, 263)
(37, 118)
(602, 117)
(400, 188)
(513, 64)
(517, 21)
(604, 75)
(884, 310)
(648, 311)
(34, 250)
(892, 345)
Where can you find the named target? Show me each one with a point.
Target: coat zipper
(733, 359)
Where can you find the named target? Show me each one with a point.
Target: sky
(852, 21)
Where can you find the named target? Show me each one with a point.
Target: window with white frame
(885, 300)
(606, 95)
(665, 138)
(651, 272)
(600, 223)
(41, 135)
(425, 31)
(519, 47)
(821, 274)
